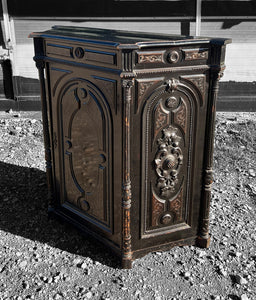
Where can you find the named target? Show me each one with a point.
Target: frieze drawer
(128, 128)
(174, 56)
(81, 54)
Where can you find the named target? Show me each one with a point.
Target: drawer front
(81, 53)
(172, 57)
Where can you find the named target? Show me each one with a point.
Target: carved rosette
(168, 160)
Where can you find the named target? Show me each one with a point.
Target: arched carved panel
(86, 140)
(57, 75)
(198, 83)
(143, 86)
(169, 122)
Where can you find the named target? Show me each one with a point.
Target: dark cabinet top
(123, 39)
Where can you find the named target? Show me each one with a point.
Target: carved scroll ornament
(168, 160)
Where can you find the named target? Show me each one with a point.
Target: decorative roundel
(84, 205)
(166, 219)
(172, 102)
(173, 57)
(170, 162)
(79, 52)
(81, 93)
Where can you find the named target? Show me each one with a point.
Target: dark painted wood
(129, 134)
(232, 96)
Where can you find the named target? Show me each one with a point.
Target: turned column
(126, 186)
(40, 64)
(203, 239)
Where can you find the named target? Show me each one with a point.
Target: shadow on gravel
(23, 207)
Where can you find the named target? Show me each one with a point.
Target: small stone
(252, 173)
(23, 264)
(77, 262)
(223, 272)
(202, 254)
(238, 254)
(240, 280)
(25, 285)
(88, 295)
(84, 265)
(244, 297)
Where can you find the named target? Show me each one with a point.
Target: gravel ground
(46, 259)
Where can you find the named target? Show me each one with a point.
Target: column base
(126, 263)
(203, 242)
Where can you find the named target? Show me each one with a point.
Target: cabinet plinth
(129, 126)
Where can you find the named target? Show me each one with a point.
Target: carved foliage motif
(168, 160)
(176, 206)
(199, 81)
(161, 119)
(166, 212)
(180, 116)
(143, 86)
(167, 137)
(196, 54)
(157, 209)
(151, 57)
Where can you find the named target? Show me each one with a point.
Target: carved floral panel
(167, 156)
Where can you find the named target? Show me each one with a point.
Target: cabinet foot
(203, 242)
(126, 263)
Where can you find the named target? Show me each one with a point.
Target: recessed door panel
(86, 146)
(168, 133)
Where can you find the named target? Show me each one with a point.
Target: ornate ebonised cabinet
(129, 125)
